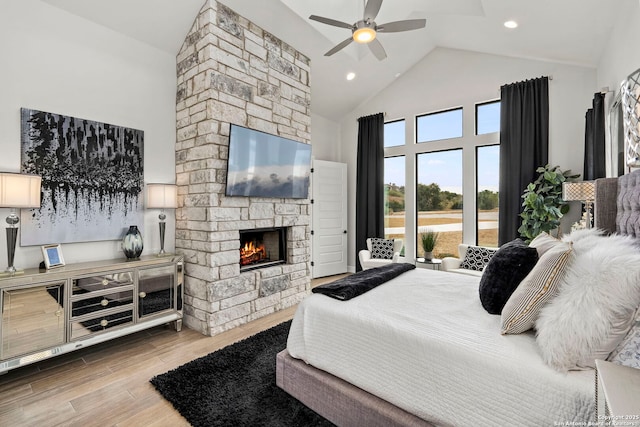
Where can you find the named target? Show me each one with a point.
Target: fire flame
(251, 253)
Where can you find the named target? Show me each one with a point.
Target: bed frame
(337, 400)
(616, 209)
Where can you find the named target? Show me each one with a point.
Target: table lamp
(17, 191)
(584, 191)
(162, 196)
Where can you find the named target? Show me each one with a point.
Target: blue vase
(132, 243)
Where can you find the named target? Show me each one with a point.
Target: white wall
(325, 138)
(60, 63)
(450, 78)
(621, 56)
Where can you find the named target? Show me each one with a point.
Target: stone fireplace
(263, 247)
(231, 71)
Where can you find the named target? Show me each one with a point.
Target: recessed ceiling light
(511, 24)
(351, 76)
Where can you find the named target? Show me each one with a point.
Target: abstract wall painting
(92, 178)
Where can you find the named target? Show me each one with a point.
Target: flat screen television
(265, 165)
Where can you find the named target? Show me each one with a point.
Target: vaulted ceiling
(567, 31)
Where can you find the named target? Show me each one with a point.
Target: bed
(421, 350)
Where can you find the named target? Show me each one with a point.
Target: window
(441, 125)
(488, 117)
(439, 199)
(394, 133)
(437, 173)
(488, 173)
(394, 226)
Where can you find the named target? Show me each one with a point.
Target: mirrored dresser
(46, 313)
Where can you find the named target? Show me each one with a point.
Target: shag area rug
(236, 386)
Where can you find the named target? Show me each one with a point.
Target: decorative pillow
(476, 258)
(543, 242)
(381, 248)
(595, 306)
(627, 353)
(541, 285)
(587, 238)
(504, 272)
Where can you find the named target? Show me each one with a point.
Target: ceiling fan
(365, 30)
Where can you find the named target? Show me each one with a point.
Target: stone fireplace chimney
(231, 71)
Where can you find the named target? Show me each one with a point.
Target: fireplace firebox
(262, 247)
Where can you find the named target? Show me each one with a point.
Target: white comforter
(423, 342)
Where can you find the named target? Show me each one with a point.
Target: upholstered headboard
(617, 205)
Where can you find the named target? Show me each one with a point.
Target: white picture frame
(52, 256)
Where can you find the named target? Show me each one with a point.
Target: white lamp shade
(19, 190)
(162, 196)
(585, 190)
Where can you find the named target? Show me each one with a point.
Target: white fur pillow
(594, 308)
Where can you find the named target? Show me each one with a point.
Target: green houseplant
(543, 206)
(429, 239)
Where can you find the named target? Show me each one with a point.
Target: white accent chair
(452, 264)
(367, 262)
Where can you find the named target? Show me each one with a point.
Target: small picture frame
(52, 256)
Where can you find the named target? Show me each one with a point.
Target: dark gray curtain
(369, 181)
(594, 142)
(524, 146)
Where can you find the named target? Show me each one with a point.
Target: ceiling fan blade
(339, 46)
(330, 21)
(398, 26)
(376, 48)
(371, 9)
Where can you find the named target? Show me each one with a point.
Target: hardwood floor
(108, 384)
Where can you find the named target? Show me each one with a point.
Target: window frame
(432, 113)
(475, 116)
(417, 154)
(404, 143)
(477, 147)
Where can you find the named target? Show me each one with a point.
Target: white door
(329, 218)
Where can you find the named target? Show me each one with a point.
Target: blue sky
(445, 167)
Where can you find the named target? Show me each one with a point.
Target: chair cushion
(477, 257)
(375, 262)
(381, 248)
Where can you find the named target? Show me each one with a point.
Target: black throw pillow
(502, 275)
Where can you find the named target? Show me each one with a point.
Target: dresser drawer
(99, 282)
(87, 326)
(106, 301)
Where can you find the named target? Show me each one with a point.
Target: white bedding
(423, 342)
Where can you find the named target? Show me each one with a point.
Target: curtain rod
(383, 112)
(549, 77)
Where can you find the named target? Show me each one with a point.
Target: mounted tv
(265, 165)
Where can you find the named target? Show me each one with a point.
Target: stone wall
(231, 71)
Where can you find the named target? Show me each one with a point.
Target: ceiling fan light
(364, 35)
